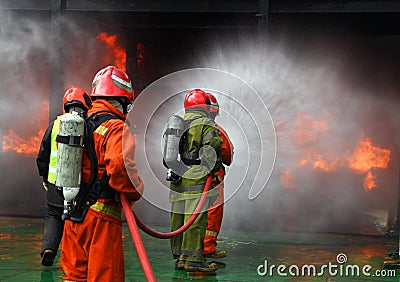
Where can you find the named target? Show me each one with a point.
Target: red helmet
(197, 99)
(76, 97)
(112, 82)
(214, 107)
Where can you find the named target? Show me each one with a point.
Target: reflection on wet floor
(250, 255)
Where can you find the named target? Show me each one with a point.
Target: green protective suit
(203, 143)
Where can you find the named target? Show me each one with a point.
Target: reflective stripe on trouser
(215, 214)
(188, 246)
(96, 238)
(106, 209)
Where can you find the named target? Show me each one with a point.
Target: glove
(45, 185)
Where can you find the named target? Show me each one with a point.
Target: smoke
(323, 93)
(25, 90)
(348, 83)
(24, 70)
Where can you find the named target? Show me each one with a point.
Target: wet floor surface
(252, 256)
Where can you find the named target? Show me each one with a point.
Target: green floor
(20, 240)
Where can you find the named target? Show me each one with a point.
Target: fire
(309, 134)
(369, 181)
(118, 53)
(367, 157)
(287, 179)
(317, 161)
(12, 142)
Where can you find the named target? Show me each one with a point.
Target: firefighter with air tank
(76, 103)
(92, 206)
(200, 155)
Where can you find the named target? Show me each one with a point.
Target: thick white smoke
(316, 86)
(25, 46)
(320, 79)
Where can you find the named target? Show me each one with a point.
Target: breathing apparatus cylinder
(171, 139)
(171, 143)
(69, 157)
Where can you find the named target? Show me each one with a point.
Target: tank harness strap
(106, 192)
(90, 192)
(173, 131)
(77, 141)
(187, 158)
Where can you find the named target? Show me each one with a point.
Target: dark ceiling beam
(339, 6)
(26, 5)
(209, 6)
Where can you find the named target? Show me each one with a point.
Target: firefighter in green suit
(201, 153)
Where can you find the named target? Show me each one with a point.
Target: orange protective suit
(92, 249)
(216, 211)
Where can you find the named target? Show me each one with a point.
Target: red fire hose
(137, 240)
(184, 227)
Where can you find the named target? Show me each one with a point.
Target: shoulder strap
(183, 146)
(89, 193)
(92, 123)
(97, 118)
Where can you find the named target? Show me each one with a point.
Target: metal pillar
(263, 15)
(56, 59)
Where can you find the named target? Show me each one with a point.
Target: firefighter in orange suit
(216, 211)
(92, 249)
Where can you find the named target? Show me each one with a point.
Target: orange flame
(118, 53)
(366, 157)
(369, 181)
(12, 142)
(308, 132)
(316, 160)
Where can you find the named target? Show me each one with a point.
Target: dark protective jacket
(43, 157)
(203, 143)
